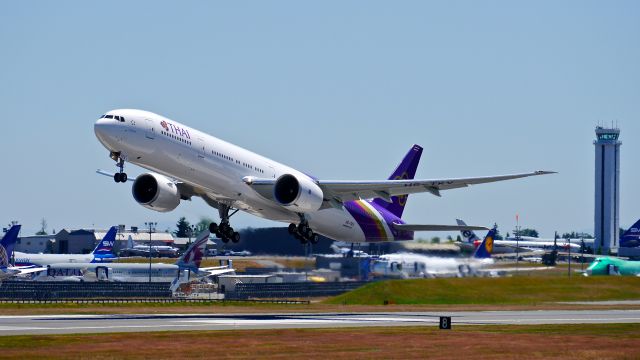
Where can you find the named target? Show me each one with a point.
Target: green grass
(517, 290)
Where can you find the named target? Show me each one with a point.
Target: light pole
(152, 227)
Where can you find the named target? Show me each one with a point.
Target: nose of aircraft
(104, 130)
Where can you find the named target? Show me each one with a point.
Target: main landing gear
(224, 231)
(302, 232)
(120, 176)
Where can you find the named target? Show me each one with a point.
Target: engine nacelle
(298, 193)
(155, 192)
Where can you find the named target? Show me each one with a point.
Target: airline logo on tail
(194, 254)
(486, 247)
(104, 249)
(468, 235)
(631, 237)
(7, 243)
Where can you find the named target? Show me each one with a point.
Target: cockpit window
(122, 118)
(109, 116)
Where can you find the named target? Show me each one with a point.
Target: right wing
(355, 190)
(337, 192)
(412, 227)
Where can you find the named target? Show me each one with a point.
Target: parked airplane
(6, 252)
(406, 265)
(509, 246)
(613, 266)
(101, 253)
(134, 249)
(136, 272)
(185, 162)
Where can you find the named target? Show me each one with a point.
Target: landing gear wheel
(228, 232)
(235, 237)
(116, 177)
(292, 229)
(213, 228)
(308, 234)
(314, 239)
(123, 177)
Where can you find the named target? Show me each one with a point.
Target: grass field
(517, 290)
(615, 341)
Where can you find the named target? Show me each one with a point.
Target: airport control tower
(607, 182)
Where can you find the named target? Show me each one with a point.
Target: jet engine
(155, 192)
(298, 193)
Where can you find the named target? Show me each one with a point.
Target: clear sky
(338, 89)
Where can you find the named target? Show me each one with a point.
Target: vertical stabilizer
(631, 237)
(406, 170)
(192, 258)
(7, 244)
(486, 247)
(105, 246)
(468, 236)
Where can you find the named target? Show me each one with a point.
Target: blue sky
(338, 89)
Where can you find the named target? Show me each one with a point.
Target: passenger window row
(213, 152)
(176, 137)
(116, 117)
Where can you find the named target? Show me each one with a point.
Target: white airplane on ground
(510, 246)
(101, 253)
(179, 272)
(185, 162)
(407, 265)
(7, 244)
(134, 249)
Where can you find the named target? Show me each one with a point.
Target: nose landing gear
(120, 176)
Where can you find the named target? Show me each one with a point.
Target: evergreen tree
(529, 232)
(182, 227)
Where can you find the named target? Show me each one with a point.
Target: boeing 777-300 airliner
(184, 162)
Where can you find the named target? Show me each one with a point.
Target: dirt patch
(524, 342)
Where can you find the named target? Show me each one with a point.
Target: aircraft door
(149, 129)
(612, 270)
(102, 273)
(201, 148)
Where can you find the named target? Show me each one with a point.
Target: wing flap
(416, 227)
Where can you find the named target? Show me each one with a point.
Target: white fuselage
(109, 272)
(175, 150)
(25, 259)
(407, 265)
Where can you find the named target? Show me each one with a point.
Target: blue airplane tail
(406, 170)
(7, 244)
(484, 250)
(631, 237)
(104, 249)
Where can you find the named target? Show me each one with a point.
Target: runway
(70, 324)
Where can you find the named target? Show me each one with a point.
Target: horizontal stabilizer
(412, 227)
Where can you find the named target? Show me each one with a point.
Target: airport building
(83, 241)
(607, 190)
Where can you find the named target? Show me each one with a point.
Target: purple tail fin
(406, 170)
